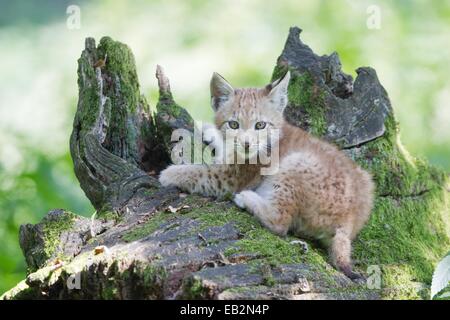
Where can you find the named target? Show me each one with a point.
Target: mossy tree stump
(161, 244)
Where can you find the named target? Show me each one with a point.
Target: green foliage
(44, 184)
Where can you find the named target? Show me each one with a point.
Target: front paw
(244, 198)
(170, 176)
(239, 200)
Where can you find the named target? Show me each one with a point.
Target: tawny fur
(317, 191)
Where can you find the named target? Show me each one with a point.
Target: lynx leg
(264, 211)
(341, 248)
(181, 176)
(196, 178)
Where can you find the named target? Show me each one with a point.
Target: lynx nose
(244, 141)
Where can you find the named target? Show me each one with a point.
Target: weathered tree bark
(162, 244)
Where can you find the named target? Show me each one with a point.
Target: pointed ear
(221, 91)
(278, 91)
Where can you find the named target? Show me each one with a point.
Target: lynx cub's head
(250, 119)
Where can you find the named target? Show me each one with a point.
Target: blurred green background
(408, 46)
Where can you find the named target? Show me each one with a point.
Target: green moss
(307, 98)
(266, 272)
(152, 275)
(412, 230)
(141, 279)
(219, 214)
(20, 292)
(168, 106)
(258, 240)
(110, 292)
(120, 89)
(53, 229)
(269, 248)
(88, 93)
(354, 292)
(272, 248)
(206, 213)
(395, 171)
(121, 97)
(410, 220)
(109, 215)
(170, 116)
(147, 280)
(399, 283)
(148, 228)
(120, 64)
(194, 289)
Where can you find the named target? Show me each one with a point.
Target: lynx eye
(260, 125)
(233, 124)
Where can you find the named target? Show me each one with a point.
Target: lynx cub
(317, 191)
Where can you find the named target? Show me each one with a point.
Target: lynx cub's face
(249, 119)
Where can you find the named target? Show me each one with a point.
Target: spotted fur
(317, 190)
